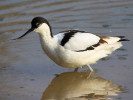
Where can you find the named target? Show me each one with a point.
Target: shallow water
(26, 73)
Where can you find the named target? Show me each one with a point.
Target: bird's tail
(111, 40)
(122, 38)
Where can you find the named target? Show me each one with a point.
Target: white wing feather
(80, 41)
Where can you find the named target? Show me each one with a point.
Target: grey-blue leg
(90, 70)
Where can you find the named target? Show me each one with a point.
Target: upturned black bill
(30, 30)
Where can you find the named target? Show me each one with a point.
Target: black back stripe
(67, 36)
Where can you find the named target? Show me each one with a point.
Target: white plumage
(80, 40)
(73, 48)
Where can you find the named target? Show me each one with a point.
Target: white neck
(44, 31)
(47, 41)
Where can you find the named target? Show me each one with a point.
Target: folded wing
(78, 40)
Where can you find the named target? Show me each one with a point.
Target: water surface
(26, 73)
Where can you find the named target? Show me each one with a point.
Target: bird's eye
(37, 24)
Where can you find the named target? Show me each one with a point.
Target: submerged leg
(90, 70)
(76, 69)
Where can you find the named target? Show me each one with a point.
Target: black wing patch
(101, 41)
(89, 48)
(67, 36)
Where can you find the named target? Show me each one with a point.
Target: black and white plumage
(73, 48)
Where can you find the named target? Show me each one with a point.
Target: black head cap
(37, 21)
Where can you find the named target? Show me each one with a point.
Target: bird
(73, 48)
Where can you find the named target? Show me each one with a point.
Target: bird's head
(39, 25)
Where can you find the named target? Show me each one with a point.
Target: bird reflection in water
(77, 86)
